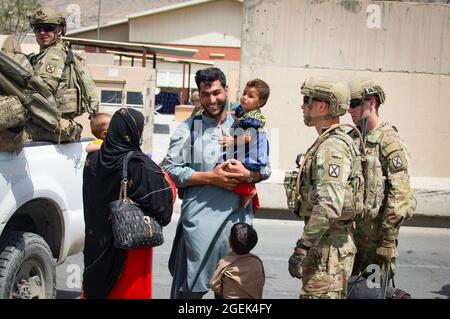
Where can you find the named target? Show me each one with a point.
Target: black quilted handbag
(131, 228)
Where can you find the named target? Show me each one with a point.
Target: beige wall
(112, 33)
(216, 23)
(339, 34)
(281, 45)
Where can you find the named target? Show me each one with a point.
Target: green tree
(14, 17)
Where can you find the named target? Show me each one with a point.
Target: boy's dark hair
(243, 238)
(99, 123)
(262, 88)
(209, 75)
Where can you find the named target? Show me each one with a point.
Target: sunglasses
(354, 103)
(306, 99)
(44, 28)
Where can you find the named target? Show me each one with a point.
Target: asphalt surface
(423, 264)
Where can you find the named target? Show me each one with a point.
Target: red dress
(135, 282)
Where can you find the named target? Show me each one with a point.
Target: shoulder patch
(50, 68)
(334, 170)
(331, 163)
(397, 161)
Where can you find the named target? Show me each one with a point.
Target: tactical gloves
(386, 249)
(297, 259)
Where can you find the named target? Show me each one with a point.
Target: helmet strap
(312, 120)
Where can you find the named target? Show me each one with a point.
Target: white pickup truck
(41, 216)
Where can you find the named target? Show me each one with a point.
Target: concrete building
(215, 35)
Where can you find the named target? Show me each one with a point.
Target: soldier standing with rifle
(389, 199)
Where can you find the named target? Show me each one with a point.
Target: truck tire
(27, 267)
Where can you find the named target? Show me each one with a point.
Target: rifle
(385, 282)
(363, 126)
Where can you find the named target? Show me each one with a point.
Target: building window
(135, 99)
(111, 98)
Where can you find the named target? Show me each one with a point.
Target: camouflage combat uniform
(331, 172)
(50, 65)
(391, 191)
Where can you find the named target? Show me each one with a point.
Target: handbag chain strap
(123, 194)
(123, 189)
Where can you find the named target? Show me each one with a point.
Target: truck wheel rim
(29, 282)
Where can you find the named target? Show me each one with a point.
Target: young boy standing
(240, 274)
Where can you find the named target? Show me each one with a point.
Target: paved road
(423, 266)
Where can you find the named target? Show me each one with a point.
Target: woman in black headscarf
(110, 272)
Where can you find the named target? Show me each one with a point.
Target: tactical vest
(375, 171)
(374, 179)
(75, 93)
(78, 96)
(306, 182)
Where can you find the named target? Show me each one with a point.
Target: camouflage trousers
(367, 235)
(328, 267)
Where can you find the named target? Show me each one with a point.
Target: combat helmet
(330, 90)
(47, 15)
(362, 87)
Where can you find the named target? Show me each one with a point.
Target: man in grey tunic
(209, 208)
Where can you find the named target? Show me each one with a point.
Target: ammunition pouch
(67, 101)
(42, 111)
(80, 80)
(353, 199)
(67, 131)
(290, 186)
(12, 113)
(374, 184)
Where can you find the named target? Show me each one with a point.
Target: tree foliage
(14, 17)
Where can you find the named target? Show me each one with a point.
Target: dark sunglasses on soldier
(44, 27)
(355, 103)
(305, 99)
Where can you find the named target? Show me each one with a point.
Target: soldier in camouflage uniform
(390, 199)
(52, 65)
(330, 187)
